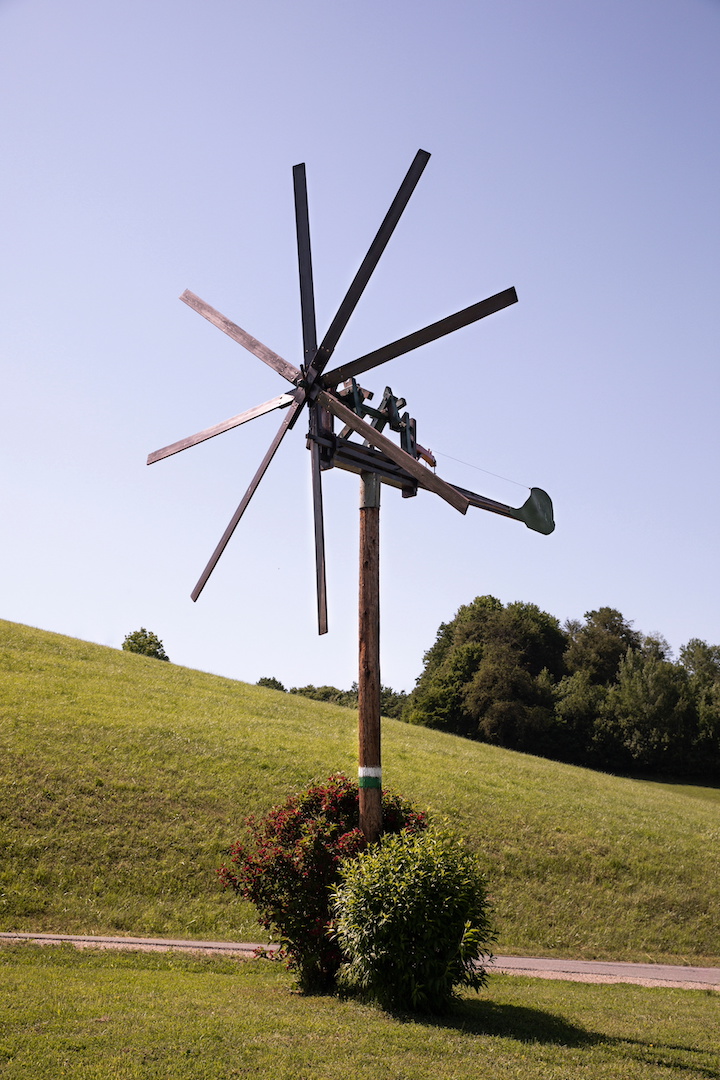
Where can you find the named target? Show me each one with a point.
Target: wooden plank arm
(280, 402)
(319, 536)
(420, 337)
(359, 282)
(222, 544)
(287, 370)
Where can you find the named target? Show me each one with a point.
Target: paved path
(597, 971)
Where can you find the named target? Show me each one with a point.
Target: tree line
(591, 692)
(391, 701)
(594, 692)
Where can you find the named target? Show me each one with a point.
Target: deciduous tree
(146, 643)
(598, 646)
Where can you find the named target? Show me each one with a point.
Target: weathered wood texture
(282, 430)
(307, 292)
(405, 461)
(280, 402)
(369, 653)
(309, 332)
(358, 458)
(420, 337)
(319, 531)
(283, 367)
(357, 287)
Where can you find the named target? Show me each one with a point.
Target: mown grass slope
(124, 779)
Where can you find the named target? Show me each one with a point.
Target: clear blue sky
(148, 147)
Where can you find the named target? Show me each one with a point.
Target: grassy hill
(123, 780)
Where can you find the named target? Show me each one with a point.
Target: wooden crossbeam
(410, 464)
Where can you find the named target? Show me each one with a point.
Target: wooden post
(369, 771)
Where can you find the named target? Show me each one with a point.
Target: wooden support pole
(369, 771)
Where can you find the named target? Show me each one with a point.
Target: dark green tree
(706, 755)
(439, 698)
(331, 694)
(270, 683)
(510, 705)
(146, 643)
(597, 646)
(595, 692)
(392, 702)
(579, 703)
(702, 662)
(490, 674)
(650, 717)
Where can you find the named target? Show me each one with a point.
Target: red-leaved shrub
(290, 860)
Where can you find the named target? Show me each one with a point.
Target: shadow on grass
(679, 1058)
(509, 1022)
(537, 1026)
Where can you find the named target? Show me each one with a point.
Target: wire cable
(478, 469)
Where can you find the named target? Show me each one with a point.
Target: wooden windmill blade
(307, 292)
(309, 332)
(397, 465)
(315, 360)
(412, 341)
(296, 402)
(357, 287)
(235, 519)
(280, 402)
(287, 370)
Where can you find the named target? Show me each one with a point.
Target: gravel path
(595, 971)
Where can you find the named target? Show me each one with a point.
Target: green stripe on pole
(369, 781)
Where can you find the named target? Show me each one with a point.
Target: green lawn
(124, 779)
(118, 1016)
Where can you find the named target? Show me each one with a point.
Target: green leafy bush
(392, 701)
(291, 858)
(271, 683)
(146, 643)
(412, 920)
